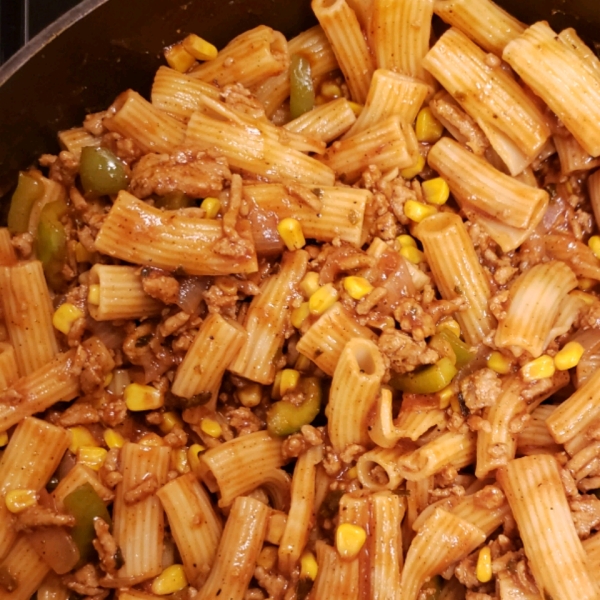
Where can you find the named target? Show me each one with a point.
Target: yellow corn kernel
(151, 439)
(3, 439)
(275, 527)
(308, 566)
(211, 427)
(568, 356)
(417, 211)
(212, 206)
(356, 108)
(585, 284)
(18, 500)
(193, 458)
(352, 472)
(413, 170)
(81, 437)
(299, 315)
(94, 294)
(179, 58)
(250, 395)
(267, 557)
(309, 284)
(427, 127)
(275, 389)
(291, 233)
(290, 378)
(171, 580)
(445, 397)
(455, 404)
(170, 421)
(331, 90)
(349, 539)
(450, 325)
(325, 297)
(484, 565)
(179, 460)
(199, 48)
(113, 439)
(406, 240)
(142, 397)
(539, 368)
(303, 363)
(92, 456)
(499, 363)
(108, 379)
(594, 244)
(412, 254)
(64, 317)
(357, 287)
(436, 191)
(81, 253)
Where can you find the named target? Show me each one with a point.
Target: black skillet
(101, 47)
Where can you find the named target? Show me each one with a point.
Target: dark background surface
(20, 20)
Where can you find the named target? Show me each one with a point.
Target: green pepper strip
(29, 191)
(461, 350)
(51, 242)
(302, 92)
(428, 380)
(85, 505)
(284, 418)
(174, 201)
(101, 172)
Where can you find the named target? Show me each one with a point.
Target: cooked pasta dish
(319, 319)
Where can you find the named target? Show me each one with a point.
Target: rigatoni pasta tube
(354, 388)
(31, 457)
(450, 448)
(238, 551)
(9, 371)
(385, 545)
(250, 150)
(577, 412)
(486, 509)
(535, 493)
(138, 517)
(119, 294)
(336, 578)
(254, 455)
(26, 568)
(341, 214)
(216, 344)
(342, 28)
(457, 272)
(300, 516)
(390, 94)
(54, 382)
(474, 183)
(8, 257)
(534, 302)
(150, 128)
(249, 59)
(513, 123)
(325, 339)
(384, 459)
(557, 73)
(400, 31)
(139, 233)
(489, 25)
(267, 318)
(312, 45)
(443, 539)
(194, 525)
(76, 139)
(326, 122)
(178, 94)
(29, 324)
(387, 144)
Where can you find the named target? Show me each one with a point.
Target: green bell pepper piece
(285, 418)
(428, 380)
(101, 172)
(302, 92)
(29, 191)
